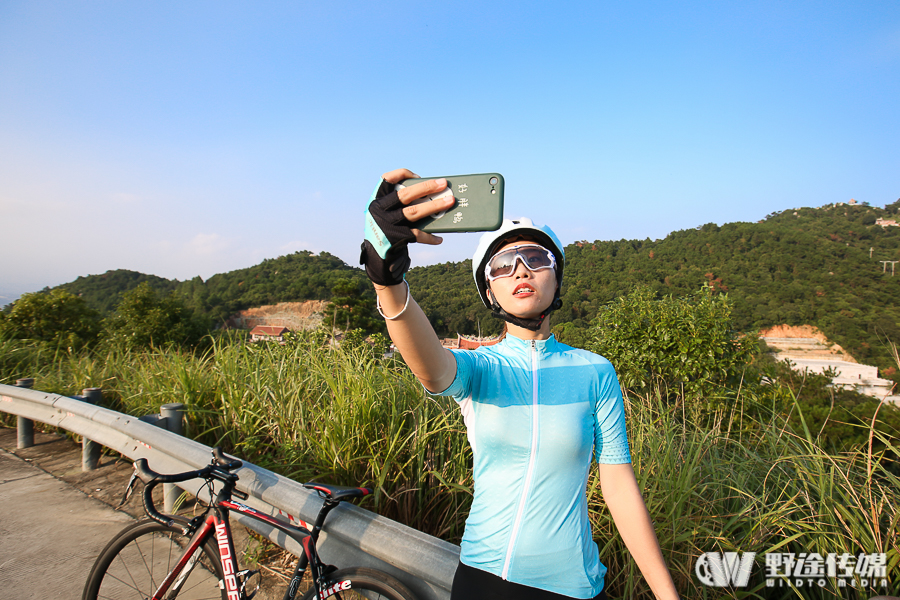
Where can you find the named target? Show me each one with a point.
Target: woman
(535, 410)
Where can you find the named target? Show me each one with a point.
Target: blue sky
(185, 139)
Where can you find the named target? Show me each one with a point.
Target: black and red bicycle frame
(202, 527)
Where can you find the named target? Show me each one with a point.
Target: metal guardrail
(353, 536)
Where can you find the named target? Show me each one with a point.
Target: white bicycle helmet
(487, 247)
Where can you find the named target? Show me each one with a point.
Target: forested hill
(817, 266)
(103, 292)
(292, 278)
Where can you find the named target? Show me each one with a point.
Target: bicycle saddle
(338, 492)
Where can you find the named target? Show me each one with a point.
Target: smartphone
(478, 206)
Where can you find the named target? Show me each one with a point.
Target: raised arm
(626, 505)
(386, 258)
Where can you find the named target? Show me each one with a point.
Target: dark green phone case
(478, 206)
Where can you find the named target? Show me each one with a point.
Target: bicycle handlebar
(225, 462)
(151, 479)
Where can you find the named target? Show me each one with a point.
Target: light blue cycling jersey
(534, 410)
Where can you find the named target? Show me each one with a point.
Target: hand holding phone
(478, 203)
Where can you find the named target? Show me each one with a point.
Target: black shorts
(470, 583)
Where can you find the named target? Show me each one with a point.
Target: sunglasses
(533, 256)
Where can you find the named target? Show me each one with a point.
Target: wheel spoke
(134, 584)
(133, 566)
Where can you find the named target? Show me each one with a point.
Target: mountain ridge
(803, 266)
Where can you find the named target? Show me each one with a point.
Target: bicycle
(166, 556)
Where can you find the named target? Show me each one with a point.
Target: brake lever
(128, 489)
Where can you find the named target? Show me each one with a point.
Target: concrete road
(50, 532)
(55, 520)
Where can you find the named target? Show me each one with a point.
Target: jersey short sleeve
(461, 384)
(610, 435)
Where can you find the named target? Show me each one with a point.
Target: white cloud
(208, 244)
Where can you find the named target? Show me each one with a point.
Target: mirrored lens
(536, 258)
(533, 257)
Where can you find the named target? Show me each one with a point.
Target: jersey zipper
(517, 523)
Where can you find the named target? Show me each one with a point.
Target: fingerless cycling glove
(388, 232)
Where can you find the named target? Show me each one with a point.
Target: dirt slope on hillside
(797, 340)
(295, 316)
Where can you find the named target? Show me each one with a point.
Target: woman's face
(526, 293)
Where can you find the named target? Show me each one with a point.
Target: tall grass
(732, 482)
(738, 479)
(306, 410)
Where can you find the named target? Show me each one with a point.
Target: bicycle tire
(140, 557)
(361, 583)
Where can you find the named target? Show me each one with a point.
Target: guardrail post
(171, 418)
(24, 427)
(90, 450)
(173, 414)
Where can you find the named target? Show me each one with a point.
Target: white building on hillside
(816, 356)
(863, 378)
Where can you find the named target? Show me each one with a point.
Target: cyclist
(534, 409)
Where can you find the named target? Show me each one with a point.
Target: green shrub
(686, 344)
(146, 318)
(57, 317)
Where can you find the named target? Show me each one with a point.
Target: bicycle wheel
(361, 583)
(137, 560)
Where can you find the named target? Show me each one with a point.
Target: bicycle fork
(177, 576)
(191, 556)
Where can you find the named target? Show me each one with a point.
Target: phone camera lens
(494, 180)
